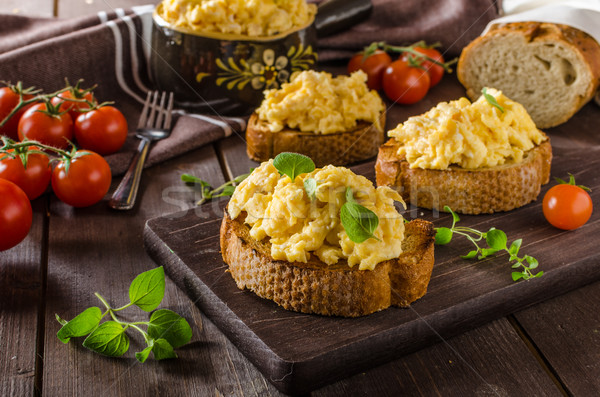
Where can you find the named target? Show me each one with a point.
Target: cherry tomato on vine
(102, 130)
(435, 72)
(373, 65)
(41, 123)
(405, 84)
(567, 206)
(9, 98)
(15, 215)
(32, 179)
(86, 180)
(68, 101)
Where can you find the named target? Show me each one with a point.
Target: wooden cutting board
(299, 352)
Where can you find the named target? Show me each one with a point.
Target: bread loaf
(552, 70)
(483, 190)
(331, 290)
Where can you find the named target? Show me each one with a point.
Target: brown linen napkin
(107, 49)
(453, 23)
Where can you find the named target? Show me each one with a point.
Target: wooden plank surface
(21, 286)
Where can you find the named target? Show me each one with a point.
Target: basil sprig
(491, 99)
(167, 330)
(359, 222)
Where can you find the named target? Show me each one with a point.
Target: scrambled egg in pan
(470, 135)
(298, 227)
(317, 102)
(256, 18)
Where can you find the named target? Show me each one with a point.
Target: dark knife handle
(336, 15)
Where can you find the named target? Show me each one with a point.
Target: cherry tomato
(102, 130)
(8, 100)
(405, 84)
(85, 182)
(51, 129)
(373, 66)
(15, 215)
(65, 99)
(435, 72)
(567, 206)
(33, 179)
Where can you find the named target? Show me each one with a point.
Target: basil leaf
(293, 164)
(148, 289)
(358, 221)
(496, 239)
(163, 349)
(81, 325)
(491, 100)
(310, 187)
(168, 325)
(108, 339)
(470, 255)
(443, 236)
(143, 355)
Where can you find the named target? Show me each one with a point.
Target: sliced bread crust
(552, 70)
(334, 290)
(340, 148)
(467, 191)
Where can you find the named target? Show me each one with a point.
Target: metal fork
(154, 124)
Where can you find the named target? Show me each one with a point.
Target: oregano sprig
(496, 241)
(166, 329)
(293, 164)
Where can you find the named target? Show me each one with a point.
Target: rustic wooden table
(551, 348)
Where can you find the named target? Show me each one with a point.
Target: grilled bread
(468, 191)
(552, 70)
(339, 148)
(331, 290)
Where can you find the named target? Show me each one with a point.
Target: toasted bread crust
(336, 290)
(485, 190)
(337, 149)
(526, 39)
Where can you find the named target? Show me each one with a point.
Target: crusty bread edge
(341, 148)
(485, 190)
(336, 290)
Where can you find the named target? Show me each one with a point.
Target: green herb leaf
(108, 339)
(227, 191)
(187, 178)
(533, 263)
(293, 164)
(516, 276)
(349, 196)
(470, 255)
(170, 326)
(455, 217)
(143, 355)
(310, 187)
(443, 236)
(485, 252)
(358, 221)
(491, 100)
(515, 246)
(496, 239)
(148, 289)
(162, 349)
(60, 320)
(81, 325)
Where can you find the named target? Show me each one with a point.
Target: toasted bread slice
(339, 148)
(467, 191)
(331, 290)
